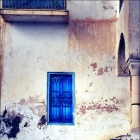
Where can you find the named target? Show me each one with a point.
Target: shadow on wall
(121, 57)
(120, 6)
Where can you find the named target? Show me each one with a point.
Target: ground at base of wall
(133, 136)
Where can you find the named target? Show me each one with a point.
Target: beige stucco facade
(87, 45)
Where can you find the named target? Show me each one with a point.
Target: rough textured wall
(84, 47)
(93, 10)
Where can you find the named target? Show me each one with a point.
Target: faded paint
(81, 46)
(94, 65)
(129, 25)
(100, 71)
(93, 10)
(84, 46)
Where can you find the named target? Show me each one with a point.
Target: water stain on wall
(93, 37)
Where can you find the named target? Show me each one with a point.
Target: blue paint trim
(73, 97)
(48, 84)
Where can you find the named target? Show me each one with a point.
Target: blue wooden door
(61, 98)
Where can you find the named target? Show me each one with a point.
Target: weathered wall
(93, 10)
(83, 46)
(129, 23)
(86, 48)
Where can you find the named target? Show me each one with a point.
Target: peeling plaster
(100, 71)
(94, 65)
(113, 105)
(93, 10)
(84, 47)
(15, 119)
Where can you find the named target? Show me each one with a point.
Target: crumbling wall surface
(93, 10)
(102, 100)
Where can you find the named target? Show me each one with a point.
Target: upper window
(35, 4)
(60, 99)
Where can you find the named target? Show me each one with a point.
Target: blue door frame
(60, 98)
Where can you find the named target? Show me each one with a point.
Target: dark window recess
(60, 98)
(122, 69)
(121, 3)
(34, 4)
(121, 54)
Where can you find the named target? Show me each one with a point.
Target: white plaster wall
(93, 10)
(83, 46)
(86, 48)
(34, 47)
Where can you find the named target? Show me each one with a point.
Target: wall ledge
(26, 15)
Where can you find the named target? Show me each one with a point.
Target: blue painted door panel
(60, 99)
